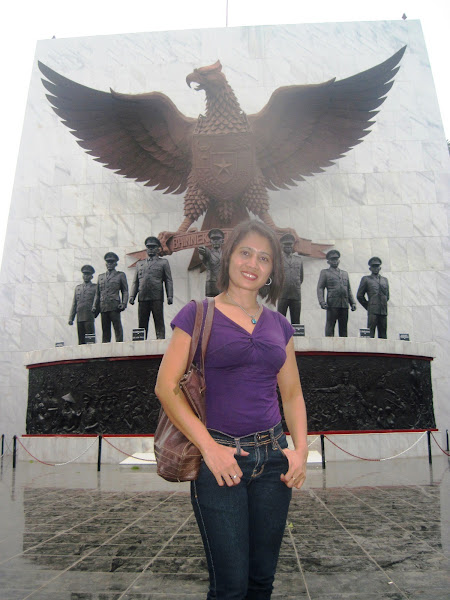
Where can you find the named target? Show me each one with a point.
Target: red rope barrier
(129, 455)
(39, 461)
(437, 444)
(350, 454)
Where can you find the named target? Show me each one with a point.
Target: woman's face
(251, 262)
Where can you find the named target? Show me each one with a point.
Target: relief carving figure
(373, 294)
(111, 298)
(83, 298)
(148, 281)
(225, 161)
(211, 259)
(293, 278)
(339, 295)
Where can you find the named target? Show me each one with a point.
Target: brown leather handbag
(177, 458)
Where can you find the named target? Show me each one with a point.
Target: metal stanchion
(322, 446)
(446, 435)
(14, 451)
(3, 443)
(430, 459)
(99, 459)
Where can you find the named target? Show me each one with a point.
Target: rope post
(430, 459)
(99, 459)
(14, 451)
(322, 447)
(3, 443)
(446, 435)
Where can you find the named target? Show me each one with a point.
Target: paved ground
(358, 530)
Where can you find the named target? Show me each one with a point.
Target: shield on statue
(224, 164)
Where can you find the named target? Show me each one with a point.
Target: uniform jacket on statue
(149, 277)
(83, 299)
(377, 290)
(109, 287)
(339, 293)
(293, 277)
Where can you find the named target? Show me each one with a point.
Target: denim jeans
(242, 526)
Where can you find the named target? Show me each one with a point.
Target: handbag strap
(196, 332)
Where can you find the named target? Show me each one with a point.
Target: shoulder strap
(196, 331)
(207, 330)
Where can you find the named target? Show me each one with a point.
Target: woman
(241, 497)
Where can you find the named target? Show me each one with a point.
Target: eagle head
(208, 78)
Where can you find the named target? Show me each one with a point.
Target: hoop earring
(269, 281)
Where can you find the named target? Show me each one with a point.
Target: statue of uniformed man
(111, 298)
(339, 295)
(293, 278)
(83, 299)
(211, 259)
(373, 294)
(151, 274)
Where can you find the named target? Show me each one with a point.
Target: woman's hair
(273, 291)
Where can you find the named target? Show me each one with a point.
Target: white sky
(23, 24)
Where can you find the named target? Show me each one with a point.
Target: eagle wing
(304, 128)
(143, 137)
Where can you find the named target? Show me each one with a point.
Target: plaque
(89, 338)
(299, 330)
(139, 335)
(59, 344)
(365, 332)
(404, 337)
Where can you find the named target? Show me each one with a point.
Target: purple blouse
(241, 370)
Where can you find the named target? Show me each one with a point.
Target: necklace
(252, 317)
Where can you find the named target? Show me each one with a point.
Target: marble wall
(387, 197)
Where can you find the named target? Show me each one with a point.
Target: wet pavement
(358, 530)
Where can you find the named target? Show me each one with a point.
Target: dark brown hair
(272, 291)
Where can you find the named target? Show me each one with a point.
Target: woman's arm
(295, 415)
(219, 459)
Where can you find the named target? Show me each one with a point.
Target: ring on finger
(234, 476)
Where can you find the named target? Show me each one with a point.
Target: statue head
(111, 260)
(333, 257)
(88, 273)
(287, 243)
(375, 265)
(217, 238)
(152, 245)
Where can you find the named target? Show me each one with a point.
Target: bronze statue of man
(339, 295)
(211, 259)
(83, 298)
(373, 294)
(111, 298)
(293, 278)
(151, 273)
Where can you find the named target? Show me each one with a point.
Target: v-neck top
(241, 370)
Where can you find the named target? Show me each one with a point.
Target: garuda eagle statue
(226, 160)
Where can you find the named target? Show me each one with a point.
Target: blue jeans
(242, 526)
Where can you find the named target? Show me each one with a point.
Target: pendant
(254, 321)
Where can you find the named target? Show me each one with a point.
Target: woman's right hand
(221, 461)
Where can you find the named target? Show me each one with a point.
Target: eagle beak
(192, 78)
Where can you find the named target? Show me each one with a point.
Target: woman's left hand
(296, 473)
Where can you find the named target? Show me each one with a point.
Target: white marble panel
(75, 232)
(443, 288)
(13, 268)
(109, 231)
(29, 334)
(416, 254)
(422, 324)
(439, 220)
(65, 264)
(361, 255)
(364, 158)
(10, 333)
(39, 299)
(316, 220)
(435, 156)
(369, 221)
(357, 189)
(442, 185)
(403, 221)
(48, 265)
(56, 299)
(323, 190)
(334, 224)
(135, 198)
(434, 254)
(352, 222)
(440, 323)
(421, 219)
(101, 196)
(392, 188)
(399, 254)
(118, 198)
(409, 282)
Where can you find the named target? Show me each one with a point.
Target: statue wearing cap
(83, 298)
(293, 278)
(339, 295)
(111, 298)
(373, 294)
(150, 276)
(211, 259)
